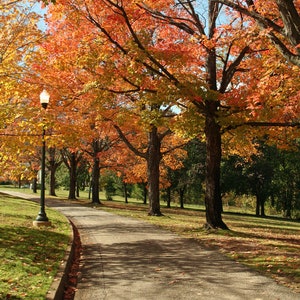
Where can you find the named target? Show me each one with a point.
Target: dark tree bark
(257, 207)
(71, 160)
(125, 192)
(52, 180)
(95, 180)
(260, 205)
(153, 162)
(213, 200)
(34, 185)
(169, 197)
(96, 172)
(153, 158)
(287, 201)
(145, 193)
(181, 197)
(73, 176)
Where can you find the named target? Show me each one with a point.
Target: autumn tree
(19, 122)
(132, 170)
(144, 64)
(279, 20)
(152, 146)
(171, 58)
(18, 39)
(96, 78)
(100, 146)
(227, 64)
(72, 159)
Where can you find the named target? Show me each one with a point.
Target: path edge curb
(57, 288)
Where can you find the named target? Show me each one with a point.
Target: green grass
(30, 256)
(268, 245)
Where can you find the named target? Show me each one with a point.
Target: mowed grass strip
(30, 256)
(268, 245)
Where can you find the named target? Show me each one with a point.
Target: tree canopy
(159, 73)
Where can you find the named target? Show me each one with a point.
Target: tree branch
(262, 124)
(290, 29)
(128, 143)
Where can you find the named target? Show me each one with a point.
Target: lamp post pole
(42, 219)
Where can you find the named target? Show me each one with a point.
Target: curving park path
(128, 259)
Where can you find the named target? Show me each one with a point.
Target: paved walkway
(127, 259)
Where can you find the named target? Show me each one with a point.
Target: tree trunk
(262, 207)
(90, 189)
(287, 202)
(73, 179)
(153, 161)
(153, 157)
(34, 185)
(125, 192)
(52, 181)
(181, 197)
(213, 201)
(145, 193)
(169, 197)
(95, 179)
(77, 190)
(257, 209)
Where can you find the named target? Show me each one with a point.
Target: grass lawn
(30, 256)
(268, 245)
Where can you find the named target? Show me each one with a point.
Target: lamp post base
(41, 223)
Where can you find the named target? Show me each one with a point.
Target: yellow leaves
(89, 86)
(188, 123)
(17, 43)
(17, 118)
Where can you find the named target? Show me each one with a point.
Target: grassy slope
(30, 256)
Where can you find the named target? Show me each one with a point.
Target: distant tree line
(271, 177)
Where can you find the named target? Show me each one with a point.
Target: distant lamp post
(42, 219)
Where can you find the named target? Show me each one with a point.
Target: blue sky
(41, 11)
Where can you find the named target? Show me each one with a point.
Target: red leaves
(198, 98)
(70, 288)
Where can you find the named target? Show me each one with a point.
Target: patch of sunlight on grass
(30, 255)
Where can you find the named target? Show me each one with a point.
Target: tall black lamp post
(42, 219)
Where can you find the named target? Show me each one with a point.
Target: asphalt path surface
(128, 259)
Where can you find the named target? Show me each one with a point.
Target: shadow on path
(127, 259)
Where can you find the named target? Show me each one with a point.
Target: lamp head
(44, 98)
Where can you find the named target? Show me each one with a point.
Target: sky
(41, 11)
